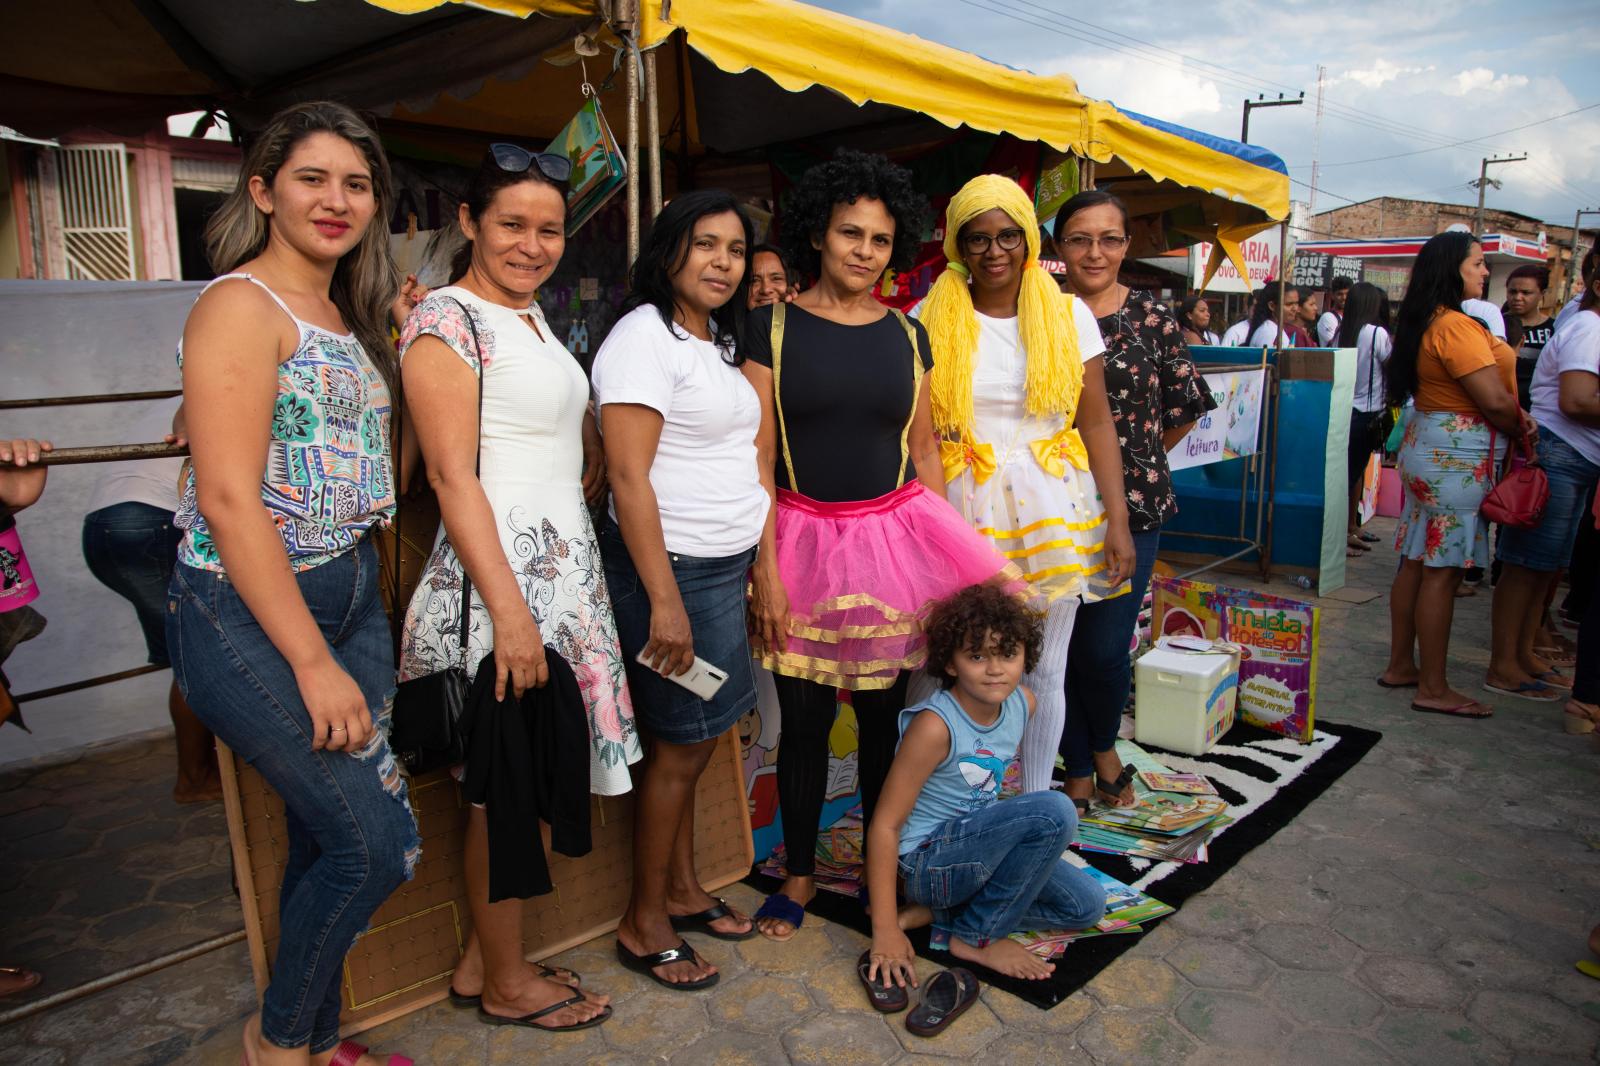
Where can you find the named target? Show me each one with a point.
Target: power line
(1227, 75)
(1462, 143)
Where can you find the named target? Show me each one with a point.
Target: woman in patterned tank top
(277, 635)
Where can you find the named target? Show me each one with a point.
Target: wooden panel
(405, 958)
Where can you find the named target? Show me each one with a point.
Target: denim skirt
(713, 592)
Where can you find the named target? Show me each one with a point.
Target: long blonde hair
(1055, 368)
(366, 279)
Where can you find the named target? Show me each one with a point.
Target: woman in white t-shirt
(1030, 454)
(680, 421)
(1365, 327)
(1264, 316)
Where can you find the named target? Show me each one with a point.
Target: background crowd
(952, 514)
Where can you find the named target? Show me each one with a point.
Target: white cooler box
(1187, 692)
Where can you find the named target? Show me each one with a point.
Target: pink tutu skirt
(861, 576)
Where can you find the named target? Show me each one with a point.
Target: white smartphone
(702, 678)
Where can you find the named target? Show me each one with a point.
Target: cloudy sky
(1407, 82)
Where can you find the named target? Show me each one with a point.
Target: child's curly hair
(847, 177)
(974, 614)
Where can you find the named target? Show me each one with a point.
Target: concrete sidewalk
(1427, 909)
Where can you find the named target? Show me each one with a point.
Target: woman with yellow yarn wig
(1029, 452)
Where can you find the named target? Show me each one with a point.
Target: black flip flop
(462, 1001)
(531, 1021)
(944, 999)
(701, 923)
(883, 994)
(1123, 780)
(646, 965)
(1390, 684)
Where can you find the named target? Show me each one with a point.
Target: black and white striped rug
(1267, 781)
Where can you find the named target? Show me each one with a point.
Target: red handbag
(1518, 500)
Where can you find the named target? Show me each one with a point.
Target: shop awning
(445, 65)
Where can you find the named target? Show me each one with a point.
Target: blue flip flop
(1537, 691)
(783, 909)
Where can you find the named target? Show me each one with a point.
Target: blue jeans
(1547, 547)
(1000, 871)
(1099, 666)
(132, 548)
(352, 839)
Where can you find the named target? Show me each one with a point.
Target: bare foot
(1004, 956)
(14, 979)
(1401, 677)
(800, 889)
(914, 916)
(649, 941)
(692, 899)
(209, 791)
(538, 993)
(1107, 768)
(260, 1052)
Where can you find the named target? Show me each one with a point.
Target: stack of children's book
(1175, 815)
(839, 856)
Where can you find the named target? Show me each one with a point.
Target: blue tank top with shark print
(969, 778)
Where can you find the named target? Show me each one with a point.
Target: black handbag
(425, 731)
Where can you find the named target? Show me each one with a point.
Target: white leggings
(1047, 682)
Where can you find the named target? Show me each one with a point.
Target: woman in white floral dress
(519, 523)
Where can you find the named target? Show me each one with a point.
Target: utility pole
(1572, 267)
(1262, 101)
(1484, 181)
(1316, 144)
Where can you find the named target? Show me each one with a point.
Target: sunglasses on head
(514, 159)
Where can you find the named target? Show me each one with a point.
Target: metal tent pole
(629, 22)
(652, 116)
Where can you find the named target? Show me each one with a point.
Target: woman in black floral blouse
(1156, 397)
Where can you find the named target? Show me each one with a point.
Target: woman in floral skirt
(1463, 383)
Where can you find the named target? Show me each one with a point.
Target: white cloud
(1482, 79)
(1381, 72)
(1161, 91)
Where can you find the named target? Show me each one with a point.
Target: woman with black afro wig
(861, 541)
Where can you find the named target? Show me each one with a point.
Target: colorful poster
(758, 746)
(1230, 431)
(1261, 259)
(1278, 675)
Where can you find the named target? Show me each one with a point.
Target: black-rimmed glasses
(1009, 240)
(514, 159)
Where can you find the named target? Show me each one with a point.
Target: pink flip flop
(349, 1053)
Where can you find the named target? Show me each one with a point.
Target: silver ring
(336, 729)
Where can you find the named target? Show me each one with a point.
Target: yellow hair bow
(957, 456)
(1054, 453)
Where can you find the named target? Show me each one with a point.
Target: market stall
(701, 92)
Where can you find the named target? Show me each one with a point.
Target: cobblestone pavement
(1427, 909)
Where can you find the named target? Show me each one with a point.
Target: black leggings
(807, 712)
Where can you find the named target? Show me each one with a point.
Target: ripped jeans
(352, 839)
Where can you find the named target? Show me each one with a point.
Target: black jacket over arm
(528, 760)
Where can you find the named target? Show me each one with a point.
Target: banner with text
(1260, 258)
(1231, 430)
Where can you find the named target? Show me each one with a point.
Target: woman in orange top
(1463, 381)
